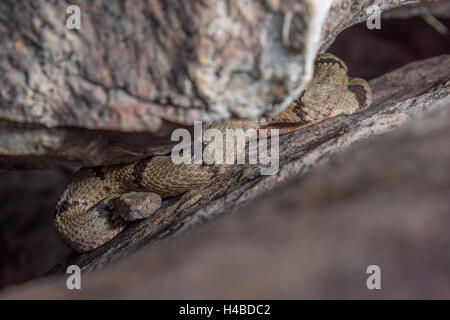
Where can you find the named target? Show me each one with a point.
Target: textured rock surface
(36, 147)
(384, 202)
(134, 66)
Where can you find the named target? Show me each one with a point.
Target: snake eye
(299, 111)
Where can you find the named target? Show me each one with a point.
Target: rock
(145, 67)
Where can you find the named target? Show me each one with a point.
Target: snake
(100, 202)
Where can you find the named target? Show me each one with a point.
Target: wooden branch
(399, 96)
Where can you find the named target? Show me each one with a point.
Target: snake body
(100, 202)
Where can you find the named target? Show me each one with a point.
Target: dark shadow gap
(372, 53)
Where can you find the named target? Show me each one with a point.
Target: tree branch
(428, 82)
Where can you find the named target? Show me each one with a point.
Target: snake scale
(100, 202)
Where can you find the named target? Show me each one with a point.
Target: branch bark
(395, 103)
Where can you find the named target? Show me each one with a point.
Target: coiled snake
(100, 202)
